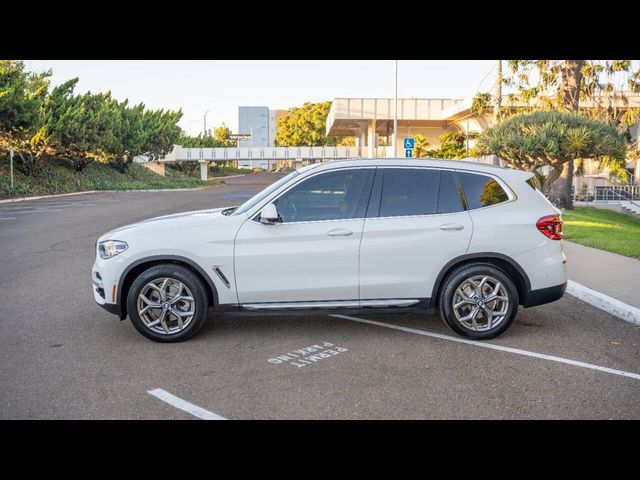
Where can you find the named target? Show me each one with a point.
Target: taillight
(551, 226)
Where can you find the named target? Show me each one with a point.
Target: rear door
(416, 223)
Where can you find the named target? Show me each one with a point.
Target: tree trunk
(497, 95)
(570, 97)
(555, 173)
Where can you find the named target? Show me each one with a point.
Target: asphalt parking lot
(62, 356)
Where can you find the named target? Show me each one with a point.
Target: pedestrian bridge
(266, 157)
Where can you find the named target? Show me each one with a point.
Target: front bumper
(105, 280)
(112, 308)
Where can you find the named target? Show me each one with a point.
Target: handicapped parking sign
(409, 143)
(408, 153)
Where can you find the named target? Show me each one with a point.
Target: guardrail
(608, 193)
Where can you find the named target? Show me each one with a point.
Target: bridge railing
(270, 153)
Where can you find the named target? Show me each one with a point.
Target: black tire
(190, 280)
(457, 278)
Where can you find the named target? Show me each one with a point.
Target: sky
(196, 86)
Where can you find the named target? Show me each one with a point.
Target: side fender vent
(225, 280)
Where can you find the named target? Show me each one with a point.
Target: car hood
(169, 222)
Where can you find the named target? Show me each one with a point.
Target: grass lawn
(603, 229)
(57, 177)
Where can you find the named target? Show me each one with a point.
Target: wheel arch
(136, 268)
(503, 262)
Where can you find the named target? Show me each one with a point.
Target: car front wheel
(167, 303)
(478, 301)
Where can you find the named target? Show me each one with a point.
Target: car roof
(420, 162)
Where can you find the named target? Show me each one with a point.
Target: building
(259, 122)
(255, 122)
(274, 115)
(262, 124)
(370, 121)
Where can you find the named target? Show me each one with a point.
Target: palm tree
(497, 95)
(420, 146)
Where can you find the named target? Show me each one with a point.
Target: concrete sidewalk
(609, 273)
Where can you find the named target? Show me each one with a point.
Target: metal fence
(608, 193)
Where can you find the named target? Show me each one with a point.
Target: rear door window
(409, 191)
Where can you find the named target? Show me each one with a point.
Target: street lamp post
(395, 112)
(251, 144)
(204, 132)
(11, 165)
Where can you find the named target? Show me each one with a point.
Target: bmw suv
(390, 235)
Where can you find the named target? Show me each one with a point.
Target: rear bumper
(544, 295)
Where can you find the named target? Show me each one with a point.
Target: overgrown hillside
(57, 177)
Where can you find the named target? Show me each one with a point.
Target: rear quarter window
(533, 183)
(481, 190)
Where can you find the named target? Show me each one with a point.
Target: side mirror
(269, 215)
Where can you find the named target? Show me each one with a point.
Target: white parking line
(7, 218)
(492, 346)
(183, 405)
(41, 210)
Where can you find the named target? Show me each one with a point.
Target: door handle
(339, 232)
(451, 226)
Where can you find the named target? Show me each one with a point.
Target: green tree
(82, 126)
(40, 125)
(199, 141)
(565, 85)
(480, 102)
(23, 102)
(347, 142)
(223, 135)
(305, 126)
(151, 133)
(529, 141)
(453, 145)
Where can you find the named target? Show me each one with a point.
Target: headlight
(111, 248)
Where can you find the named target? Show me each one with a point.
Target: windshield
(264, 193)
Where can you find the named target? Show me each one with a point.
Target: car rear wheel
(478, 301)
(167, 303)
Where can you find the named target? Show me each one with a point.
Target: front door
(312, 255)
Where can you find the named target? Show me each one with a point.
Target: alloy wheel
(480, 303)
(166, 306)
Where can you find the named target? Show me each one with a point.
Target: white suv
(388, 235)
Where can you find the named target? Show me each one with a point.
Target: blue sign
(408, 143)
(408, 153)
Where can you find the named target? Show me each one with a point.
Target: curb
(159, 190)
(626, 312)
(229, 176)
(24, 199)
